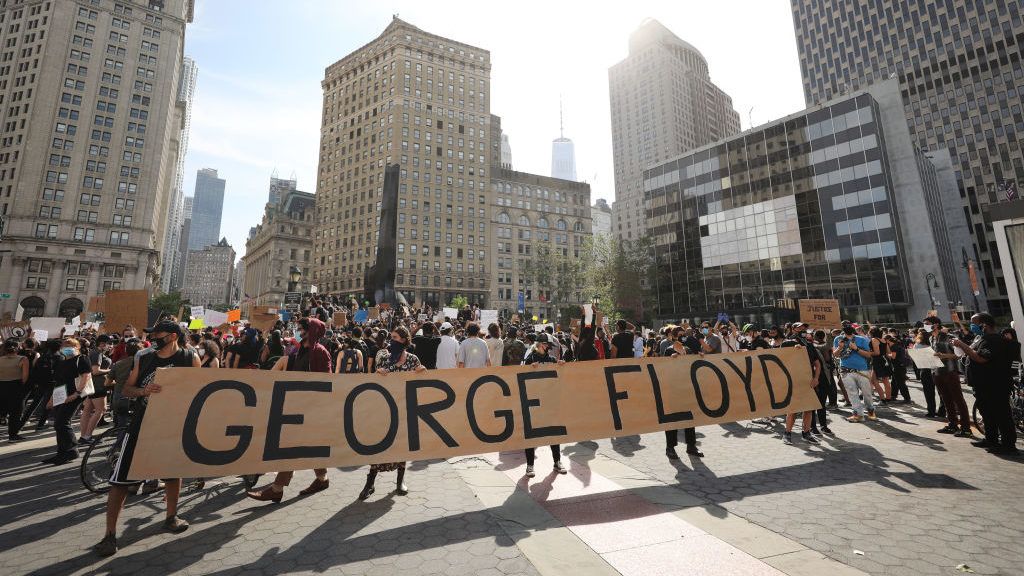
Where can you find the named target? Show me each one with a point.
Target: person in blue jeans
(854, 353)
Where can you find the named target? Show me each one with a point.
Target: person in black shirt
(988, 373)
(798, 338)
(622, 341)
(74, 373)
(141, 383)
(676, 349)
(426, 345)
(540, 355)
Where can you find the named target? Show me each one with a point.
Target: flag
(1010, 189)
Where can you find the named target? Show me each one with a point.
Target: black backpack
(43, 373)
(349, 363)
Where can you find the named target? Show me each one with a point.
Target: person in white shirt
(447, 349)
(473, 352)
(638, 345)
(495, 345)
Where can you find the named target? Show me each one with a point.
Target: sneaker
(85, 440)
(529, 472)
(832, 406)
(175, 525)
(966, 433)
(872, 416)
(828, 431)
(982, 444)
(107, 546)
(855, 418)
(787, 438)
(16, 438)
(947, 430)
(815, 432)
(560, 468)
(809, 438)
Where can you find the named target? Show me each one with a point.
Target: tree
(169, 303)
(459, 302)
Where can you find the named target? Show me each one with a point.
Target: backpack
(42, 374)
(349, 362)
(515, 351)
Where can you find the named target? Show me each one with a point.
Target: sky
(258, 98)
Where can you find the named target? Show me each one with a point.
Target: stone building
(209, 274)
(283, 239)
(88, 146)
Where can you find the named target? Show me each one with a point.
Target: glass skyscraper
(207, 208)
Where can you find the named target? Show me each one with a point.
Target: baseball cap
(165, 326)
(446, 326)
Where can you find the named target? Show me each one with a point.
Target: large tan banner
(209, 423)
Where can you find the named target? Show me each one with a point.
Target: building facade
(960, 72)
(663, 103)
(178, 280)
(831, 202)
(279, 187)
(283, 239)
(601, 218)
(422, 101)
(207, 208)
(171, 258)
(540, 225)
(563, 159)
(88, 147)
(208, 276)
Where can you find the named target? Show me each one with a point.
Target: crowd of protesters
(856, 371)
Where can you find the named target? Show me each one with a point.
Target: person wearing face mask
(989, 374)
(395, 358)
(541, 354)
(209, 354)
(798, 339)
(711, 343)
(95, 405)
(74, 374)
(309, 356)
(854, 353)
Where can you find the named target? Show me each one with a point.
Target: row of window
(49, 231)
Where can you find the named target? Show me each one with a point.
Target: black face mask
(160, 344)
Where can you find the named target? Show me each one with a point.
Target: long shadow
(627, 445)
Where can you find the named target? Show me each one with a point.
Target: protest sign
(450, 313)
(421, 317)
(41, 335)
(820, 313)
(340, 319)
(214, 318)
(263, 318)
(14, 329)
(212, 423)
(373, 313)
(196, 311)
(96, 305)
(196, 324)
(574, 325)
(487, 317)
(360, 315)
(234, 315)
(588, 314)
(924, 358)
(123, 307)
(50, 325)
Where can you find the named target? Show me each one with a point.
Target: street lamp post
(929, 280)
(294, 275)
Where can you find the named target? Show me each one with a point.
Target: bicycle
(1016, 407)
(101, 456)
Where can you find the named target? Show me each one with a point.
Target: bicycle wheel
(99, 460)
(978, 421)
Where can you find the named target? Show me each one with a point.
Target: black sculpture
(379, 279)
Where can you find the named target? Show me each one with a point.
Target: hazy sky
(258, 99)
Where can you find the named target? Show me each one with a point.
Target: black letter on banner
(659, 403)
(747, 377)
(415, 412)
(528, 430)
(350, 428)
(614, 395)
(764, 359)
(506, 432)
(272, 449)
(190, 441)
(721, 410)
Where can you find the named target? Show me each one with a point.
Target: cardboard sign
(933, 314)
(574, 325)
(123, 307)
(212, 423)
(374, 313)
(96, 305)
(340, 318)
(263, 318)
(924, 358)
(488, 317)
(234, 315)
(820, 313)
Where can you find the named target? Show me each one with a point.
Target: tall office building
(207, 207)
(959, 68)
(88, 146)
(421, 101)
(209, 275)
(171, 259)
(601, 216)
(663, 103)
(563, 159)
(506, 152)
(279, 188)
(178, 279)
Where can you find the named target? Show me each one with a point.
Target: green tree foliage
(169, 303)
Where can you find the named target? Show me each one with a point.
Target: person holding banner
(677, 348)
(541, 355)
(310, 356)
(396, 358)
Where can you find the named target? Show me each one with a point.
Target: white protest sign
(451, 313)
(60, 396)
(214, 318)
(50, 325)
(196, 311)
(542, 327)
(924, 358)
(487, 317)
(41, 335)
(588, 314)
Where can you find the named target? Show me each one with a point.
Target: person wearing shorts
(166, 337)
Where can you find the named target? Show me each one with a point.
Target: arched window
(524, 221)
(503, 218)
(561, 224)
(33, 306)
(70, 308)
(578, 226)
(542, 222)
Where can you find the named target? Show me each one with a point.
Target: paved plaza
(889, 497)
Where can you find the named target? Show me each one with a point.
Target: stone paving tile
(49, 522)
(914, 501)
